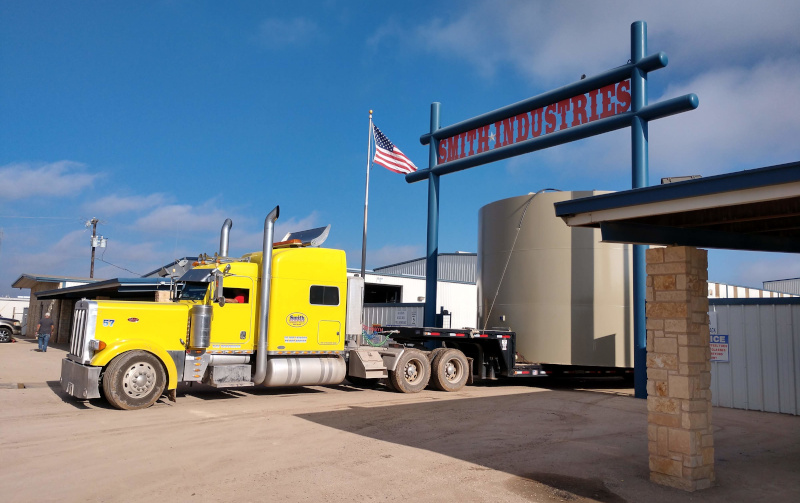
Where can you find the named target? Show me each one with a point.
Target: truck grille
(78, 340)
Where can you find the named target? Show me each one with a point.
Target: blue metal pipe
(432, 257)
(650, 63)
(640, 178)
(656, 111)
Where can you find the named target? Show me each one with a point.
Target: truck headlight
(96, 345)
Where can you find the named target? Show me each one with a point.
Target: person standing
(43, 331)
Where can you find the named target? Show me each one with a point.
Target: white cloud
(37, 180)
(278, 33)
(115, 204)
(556, 42)
(743, 119)
(60, 258)
(181, 218)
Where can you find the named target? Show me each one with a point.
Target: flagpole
(366, 200)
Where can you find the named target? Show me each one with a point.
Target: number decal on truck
(108, 323)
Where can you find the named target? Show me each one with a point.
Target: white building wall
(460, 299)
(13, 307)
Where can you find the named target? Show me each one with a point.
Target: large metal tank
(565, 293)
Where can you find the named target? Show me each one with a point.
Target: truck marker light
(97, 345)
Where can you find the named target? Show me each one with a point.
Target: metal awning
(756, 210)
(111, 288)
(32, 280)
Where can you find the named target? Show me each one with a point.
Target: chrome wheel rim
(412, 373)
(139, 379)
(453, 370)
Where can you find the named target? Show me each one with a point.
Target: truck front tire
(134, 380)
(413, 372)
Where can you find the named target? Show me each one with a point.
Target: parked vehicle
(228, 328)
(9, 327)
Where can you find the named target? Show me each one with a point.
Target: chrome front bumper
(80, 381)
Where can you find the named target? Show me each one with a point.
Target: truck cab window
(236, 295)
(324, 295)
(193, 290)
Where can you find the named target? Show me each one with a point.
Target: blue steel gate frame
(637, 118)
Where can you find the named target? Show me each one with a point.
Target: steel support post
(432, 257)
(640, 178)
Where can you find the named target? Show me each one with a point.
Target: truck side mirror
(219, 298)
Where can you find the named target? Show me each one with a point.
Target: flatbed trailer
(491, 353)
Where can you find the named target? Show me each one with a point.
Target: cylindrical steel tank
(200, 333)
(565, 293)
(304, 371)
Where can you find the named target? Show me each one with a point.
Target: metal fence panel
(764, 354)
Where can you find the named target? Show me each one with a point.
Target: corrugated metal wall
(406, 315)
(764, 352)
(784, 285)
(452, 267)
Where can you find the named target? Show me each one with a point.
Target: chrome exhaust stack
(266, 279)
(224, 237)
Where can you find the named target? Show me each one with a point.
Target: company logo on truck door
(296, 320)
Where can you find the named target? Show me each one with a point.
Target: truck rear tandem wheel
(471, 355)
(413, 372)
(449, 370)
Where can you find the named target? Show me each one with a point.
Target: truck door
(329, 332)
(232, 323)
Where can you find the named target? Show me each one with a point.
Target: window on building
(382, 294)
(324, 295)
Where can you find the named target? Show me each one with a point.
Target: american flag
(389, 156)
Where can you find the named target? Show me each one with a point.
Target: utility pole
(94, 244)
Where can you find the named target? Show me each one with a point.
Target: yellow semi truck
(294, 320)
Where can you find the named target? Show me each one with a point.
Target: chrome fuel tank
(304, 371)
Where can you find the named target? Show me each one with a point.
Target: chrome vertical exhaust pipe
(263, 304)
(224, 237)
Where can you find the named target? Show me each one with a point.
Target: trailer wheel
(434, 353)
(412, 373)
(134, 380)
(450, 369)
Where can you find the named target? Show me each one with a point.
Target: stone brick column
(680, 440)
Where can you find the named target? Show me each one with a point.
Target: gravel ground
(583, 441)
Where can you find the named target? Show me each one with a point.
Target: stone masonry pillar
(680, 439)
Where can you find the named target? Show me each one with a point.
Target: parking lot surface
(532, 441)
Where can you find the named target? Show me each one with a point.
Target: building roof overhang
(756, 210)
(118, 287)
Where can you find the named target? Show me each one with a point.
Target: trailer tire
(434, 353)
(450, 370)
(412, 373)
(134, 380)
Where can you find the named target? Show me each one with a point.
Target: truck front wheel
(412, 373)
(450, 368)
(134, 380)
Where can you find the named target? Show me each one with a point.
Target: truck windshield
(193, 291)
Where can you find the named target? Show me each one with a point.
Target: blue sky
(163, 118)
